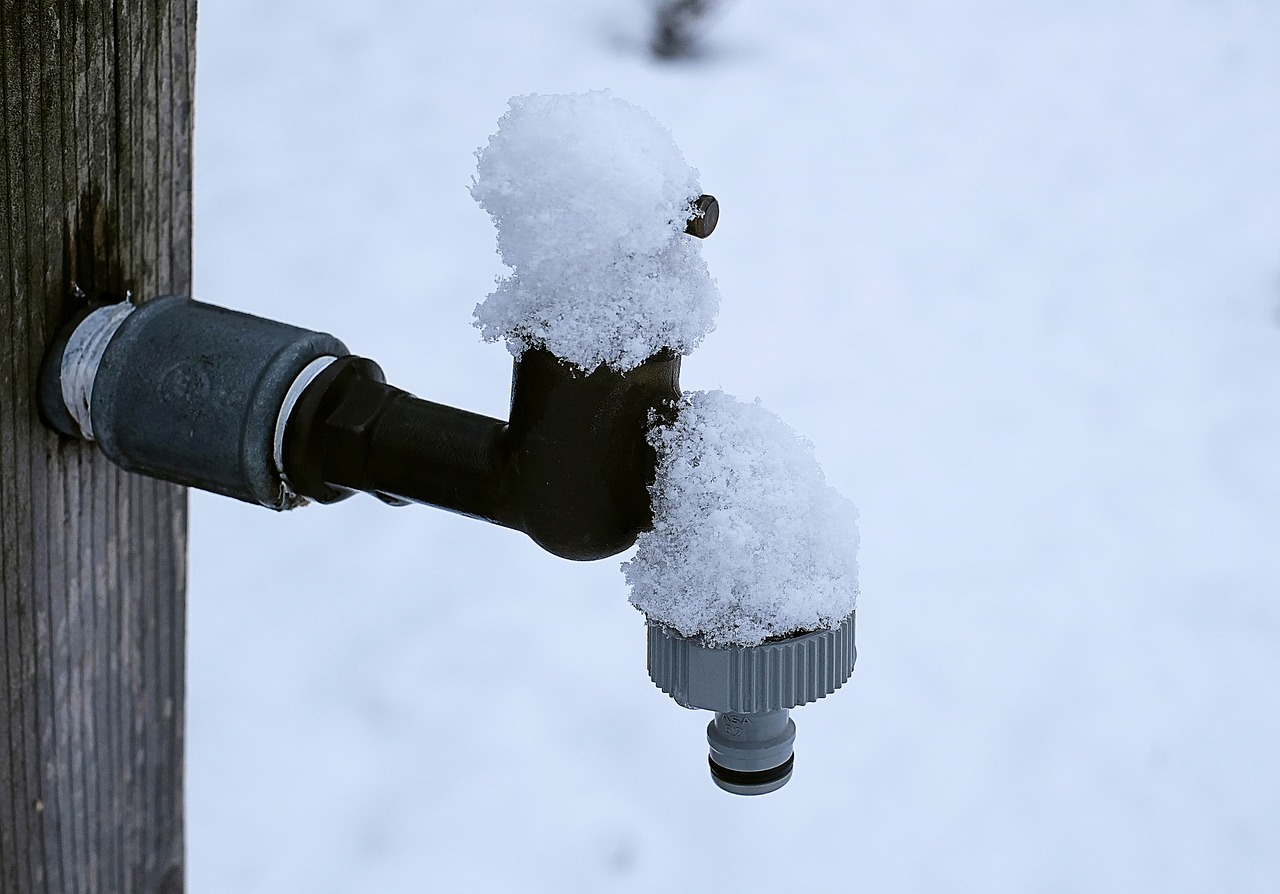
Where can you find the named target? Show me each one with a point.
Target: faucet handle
(706, 214)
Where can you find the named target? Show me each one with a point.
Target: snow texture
(749, 541)
(590, 196)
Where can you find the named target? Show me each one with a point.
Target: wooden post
(95, 194)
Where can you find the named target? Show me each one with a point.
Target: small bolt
(706, 216)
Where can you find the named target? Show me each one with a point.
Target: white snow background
(1014, 268)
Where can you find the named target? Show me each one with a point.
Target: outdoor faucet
(276, 415)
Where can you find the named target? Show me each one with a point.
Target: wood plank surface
(95, 197)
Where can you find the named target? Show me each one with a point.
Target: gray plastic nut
(751, 679)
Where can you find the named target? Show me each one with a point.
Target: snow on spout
(749, 541)
(590, 196)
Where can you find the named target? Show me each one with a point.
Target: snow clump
(749, 542)
(590, 196)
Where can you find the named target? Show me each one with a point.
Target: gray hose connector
(751, 689)
(188, 392)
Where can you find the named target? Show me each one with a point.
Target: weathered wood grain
(95, 194)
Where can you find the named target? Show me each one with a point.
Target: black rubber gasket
(753, 777)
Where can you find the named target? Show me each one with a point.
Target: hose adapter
(751, 689)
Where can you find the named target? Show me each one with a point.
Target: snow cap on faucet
(591, 197)
(749, 541)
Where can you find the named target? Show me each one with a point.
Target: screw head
(706, 216)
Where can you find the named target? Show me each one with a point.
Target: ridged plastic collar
(750, 679)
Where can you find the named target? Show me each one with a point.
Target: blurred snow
(749, 542)
(1014, 269)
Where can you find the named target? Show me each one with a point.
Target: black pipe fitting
(579, 460)
(571, 468)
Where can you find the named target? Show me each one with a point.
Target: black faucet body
(571, 467)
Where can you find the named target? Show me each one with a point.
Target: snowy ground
(1013, 267)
